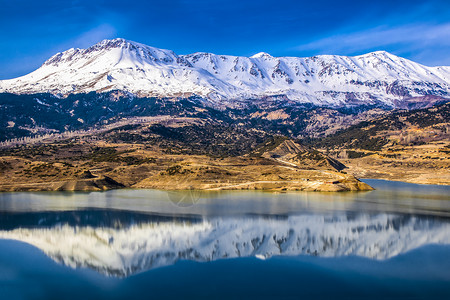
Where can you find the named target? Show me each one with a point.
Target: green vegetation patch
(175, 170)
(110, 154)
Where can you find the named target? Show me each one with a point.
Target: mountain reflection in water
(120, 233)
(130, 248)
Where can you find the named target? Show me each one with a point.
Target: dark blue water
(26, 273)
(392, 243)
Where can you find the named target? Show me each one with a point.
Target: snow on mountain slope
(114, 64)
(146, 71)
(136, 248)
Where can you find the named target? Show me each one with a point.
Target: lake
(392, 243)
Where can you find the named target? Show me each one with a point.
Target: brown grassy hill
(293, 153)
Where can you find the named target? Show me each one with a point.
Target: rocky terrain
(195, 151)
(157, 155)
(405, 145)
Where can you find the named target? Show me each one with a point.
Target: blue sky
(32, 31)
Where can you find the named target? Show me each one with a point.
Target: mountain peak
(261, 55)
(117, 43)
(380, 53)
(112, 52)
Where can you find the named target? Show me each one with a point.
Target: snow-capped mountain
(118, 64)
(124, 251)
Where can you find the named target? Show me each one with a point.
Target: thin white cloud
(92, 36)
(412, 39)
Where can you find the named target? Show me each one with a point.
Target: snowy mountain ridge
(119, 64)
(136, 248)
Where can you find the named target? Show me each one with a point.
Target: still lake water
(393, 243)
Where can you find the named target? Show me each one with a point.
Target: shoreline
(106, 183)
(408, 182)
